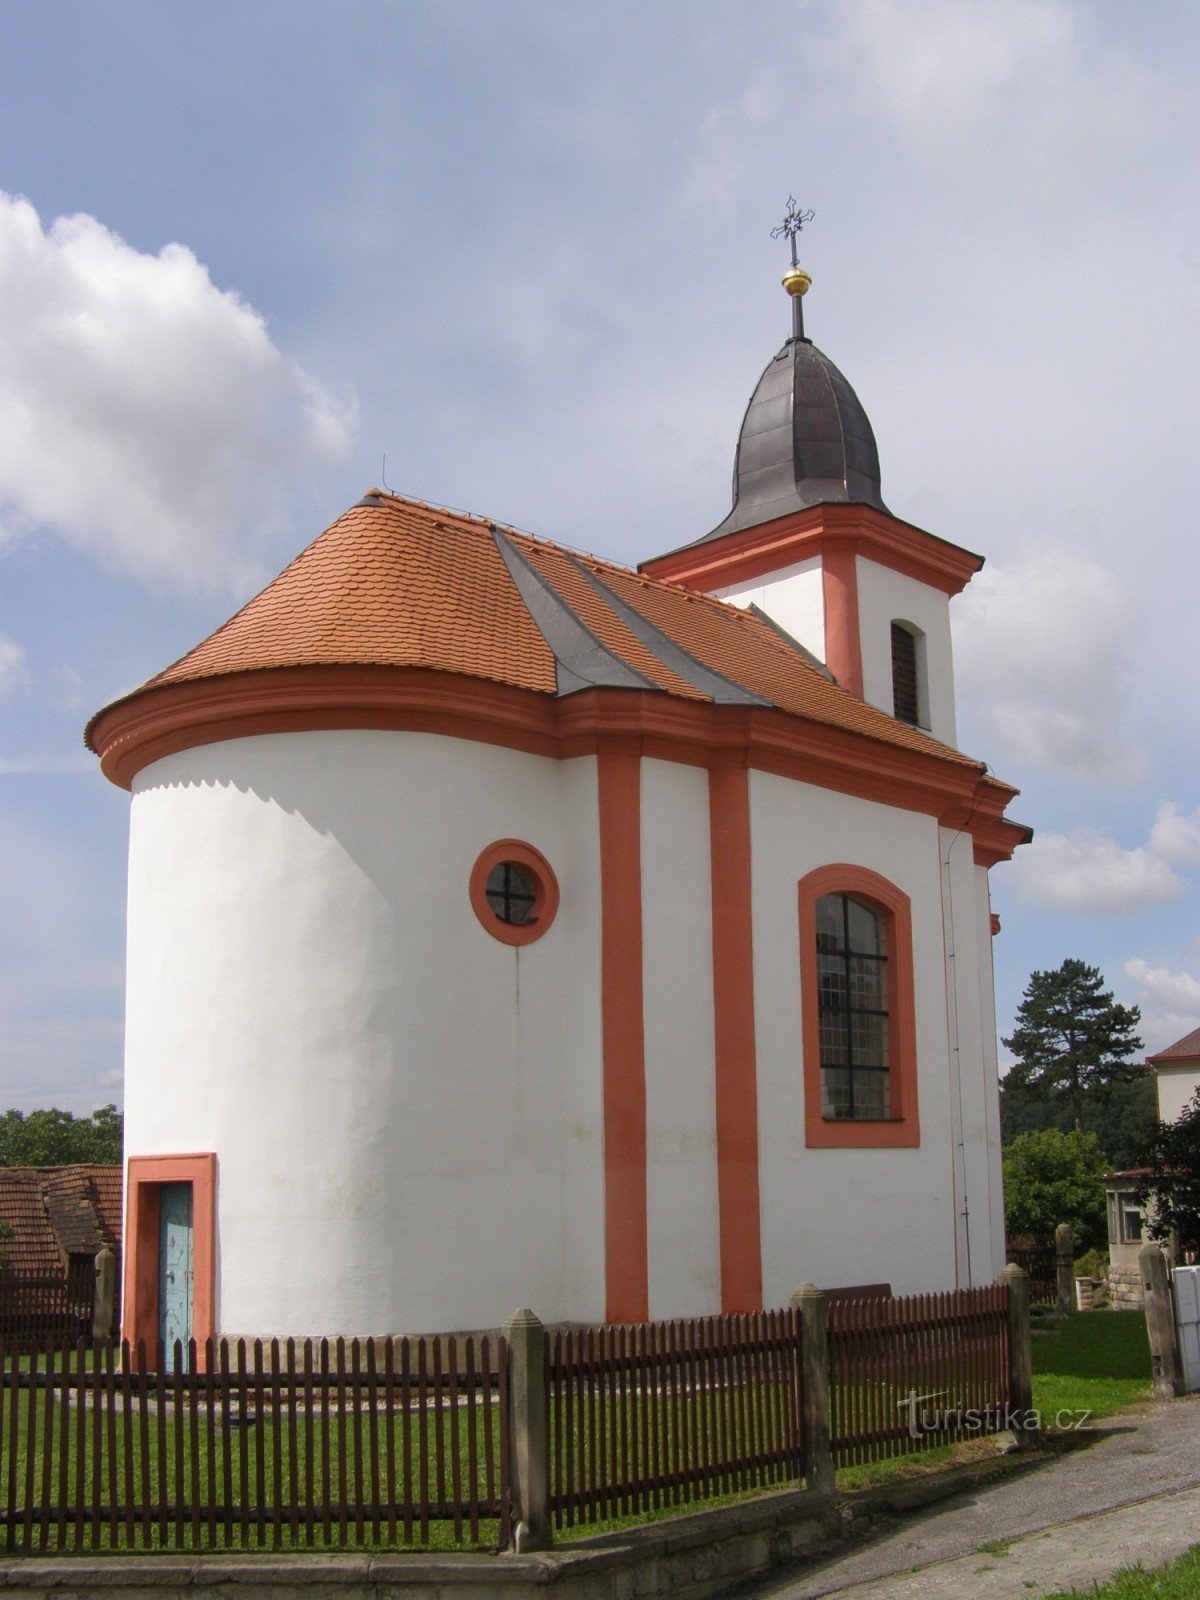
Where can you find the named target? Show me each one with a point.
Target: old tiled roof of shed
(55, 1212)
(394, 582)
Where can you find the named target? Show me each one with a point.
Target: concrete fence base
(688, 1557)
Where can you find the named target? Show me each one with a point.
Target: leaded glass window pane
(829, 922)
(835, 1092)
(868, 983)
(871, 1094)
(868, 1039)
(864, 927)
(852, 1008)
(510, 893)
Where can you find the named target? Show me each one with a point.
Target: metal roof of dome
(805, 441)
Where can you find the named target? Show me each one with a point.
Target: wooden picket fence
(293, 1444)
(660, 1414)
(914, 1372)
(331, 1445)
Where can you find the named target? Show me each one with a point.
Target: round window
(514, 891)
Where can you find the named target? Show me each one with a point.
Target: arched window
(858, 1010)
(906, 694)
(852, 1004)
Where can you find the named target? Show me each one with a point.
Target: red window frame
(902, 1129)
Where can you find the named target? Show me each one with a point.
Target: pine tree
(1071, 1036)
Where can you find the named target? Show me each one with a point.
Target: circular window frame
(545, 889)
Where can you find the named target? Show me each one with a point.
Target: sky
(516, 258)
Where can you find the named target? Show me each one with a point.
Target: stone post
(1165, 1362)
(104, 1295)
(1064, 1254)
(529, 1432)
(1023, 1424)
(808, 1300)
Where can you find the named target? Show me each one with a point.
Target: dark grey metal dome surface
(805, 441)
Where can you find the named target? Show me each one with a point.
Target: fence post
(1165, 1362)
(808, 1300)
(1022, 1422)
(104, 1294)
(528, 1432)
(1064, 1260)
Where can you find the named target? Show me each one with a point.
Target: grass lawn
(1095, 1361)
(1178, 1580)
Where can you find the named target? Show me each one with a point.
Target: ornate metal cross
(791, 225)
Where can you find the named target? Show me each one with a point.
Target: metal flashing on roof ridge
(720, 689)
(790, 639)
(581, 660)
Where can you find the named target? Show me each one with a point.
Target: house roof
(55, 1212)
(397, 583)
(1185, 1049)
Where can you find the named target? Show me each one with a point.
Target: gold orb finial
(796, 281)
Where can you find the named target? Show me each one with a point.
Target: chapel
(509, 927)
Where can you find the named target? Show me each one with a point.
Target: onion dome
(805, 441)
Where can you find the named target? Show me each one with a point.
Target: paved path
(1134, 1495)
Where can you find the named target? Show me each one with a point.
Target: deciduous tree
(1052, 1177)
(1171, 1195)
(55, 1138)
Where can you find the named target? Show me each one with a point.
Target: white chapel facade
(509, 927)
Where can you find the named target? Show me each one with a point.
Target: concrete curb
(691, 1556)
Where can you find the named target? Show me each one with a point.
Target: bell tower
(809, 541)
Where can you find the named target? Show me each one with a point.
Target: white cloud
(1170, 1001)
(1176, 835)
(12, 659)
(1043, 646)
(145, 414)
(934, 62)
(1087, 871)
(966, 82)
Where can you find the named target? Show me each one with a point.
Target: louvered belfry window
(906, 703)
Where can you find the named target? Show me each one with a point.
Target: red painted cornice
(164, 719)
(753, 552)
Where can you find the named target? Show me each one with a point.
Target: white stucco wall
(1176, 1086)
(852, 1216)
(991, 1064)
(681, 1156)
(406, 1112)
(885, 597)
(794, 597)
(971, 1079)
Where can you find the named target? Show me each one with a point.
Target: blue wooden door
(174, 1268)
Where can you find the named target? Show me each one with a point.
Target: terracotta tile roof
(396, 583)
(749, 650)
(33, 1251)
(57, 1211)
(1185, 1049)
(389, 584)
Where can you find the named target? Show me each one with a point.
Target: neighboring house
(1176, 1073)
(60, 1218)
(507, 927)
